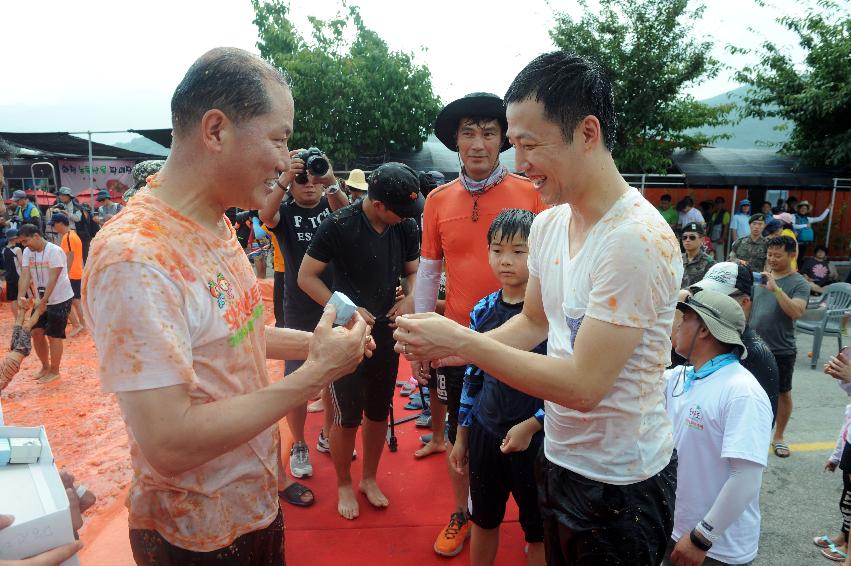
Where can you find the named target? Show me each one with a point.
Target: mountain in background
(143, 145)
(749, 133)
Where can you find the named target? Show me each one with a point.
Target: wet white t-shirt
(725, 415)
(40, 264)
(627, 273)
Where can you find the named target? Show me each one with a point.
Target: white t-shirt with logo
(40, 264)
(724, 415)
(627, 273)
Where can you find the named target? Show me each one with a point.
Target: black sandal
(293, 493)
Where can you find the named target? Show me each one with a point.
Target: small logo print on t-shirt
(221, 290)
(695, 418)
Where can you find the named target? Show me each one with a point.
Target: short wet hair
(229, 79)
(509, 223)
(29, 230)
(786, 242)
(570, 87)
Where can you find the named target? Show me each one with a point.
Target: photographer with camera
(314, 195)
(45, 264)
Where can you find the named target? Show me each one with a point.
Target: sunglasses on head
(690, 236)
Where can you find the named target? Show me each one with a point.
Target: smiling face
(553, 165)
(778, 259)
(508, 259)
(478, 145)
(254, 152)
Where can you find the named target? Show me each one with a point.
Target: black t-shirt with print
(294, 231)
(367, 265)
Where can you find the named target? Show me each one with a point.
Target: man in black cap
(383, 226)
(695, 260)
(455, 222)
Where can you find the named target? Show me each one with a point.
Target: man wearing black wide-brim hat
(455, 225)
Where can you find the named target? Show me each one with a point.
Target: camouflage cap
(141, 171)
(145, 169)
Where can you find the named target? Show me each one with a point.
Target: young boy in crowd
(498, 426)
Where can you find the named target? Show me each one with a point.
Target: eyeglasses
(689, 237)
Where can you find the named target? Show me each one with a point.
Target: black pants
(590, 523)
(258, 548)
(278, 291)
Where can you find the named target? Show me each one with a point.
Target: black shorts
(785, 367)
(590, 523)
(75, 286)
(449, 386)
(55, 319)
(369, 390)
(258, 548)
(11, 291)
(494, 475)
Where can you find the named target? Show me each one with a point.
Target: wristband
(695, 540)
(705, 530)
(778, 292)
(278, 182)
(539, 415)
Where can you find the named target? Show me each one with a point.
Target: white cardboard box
(34, 494)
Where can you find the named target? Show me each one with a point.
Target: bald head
(231, 80)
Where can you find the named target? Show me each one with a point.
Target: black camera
(314, 163)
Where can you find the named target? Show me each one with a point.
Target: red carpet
(420, 505)
(403, 534)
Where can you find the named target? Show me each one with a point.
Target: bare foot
(76, 330)
(48, 377)
(373, 494)
(347, 504)
(42, 373)
(431, 447)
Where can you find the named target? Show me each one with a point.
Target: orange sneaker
(450, 541)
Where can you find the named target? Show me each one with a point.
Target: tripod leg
(392, 444)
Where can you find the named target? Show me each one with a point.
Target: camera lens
(301, 178)
(317, 165)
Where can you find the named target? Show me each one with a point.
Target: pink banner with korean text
(111, 174)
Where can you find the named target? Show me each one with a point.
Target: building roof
(751, 167)
(710, 166)
(63, 144)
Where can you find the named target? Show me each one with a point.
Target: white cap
(721, 278)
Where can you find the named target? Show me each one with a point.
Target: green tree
(816, 97)
(354, 96)
(648, 48)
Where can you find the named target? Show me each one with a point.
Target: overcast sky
(113, 65)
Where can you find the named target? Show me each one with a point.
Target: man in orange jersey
(455, 225)
(72, 245)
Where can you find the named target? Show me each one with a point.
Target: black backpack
(86, 227)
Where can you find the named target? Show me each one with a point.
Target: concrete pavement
(798, 499)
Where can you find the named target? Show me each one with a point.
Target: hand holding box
(345, 308)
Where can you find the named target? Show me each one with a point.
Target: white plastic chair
(827, 319)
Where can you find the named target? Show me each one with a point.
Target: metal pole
(830, 216)
(91, 173)
(734, 208)
(643, 178)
